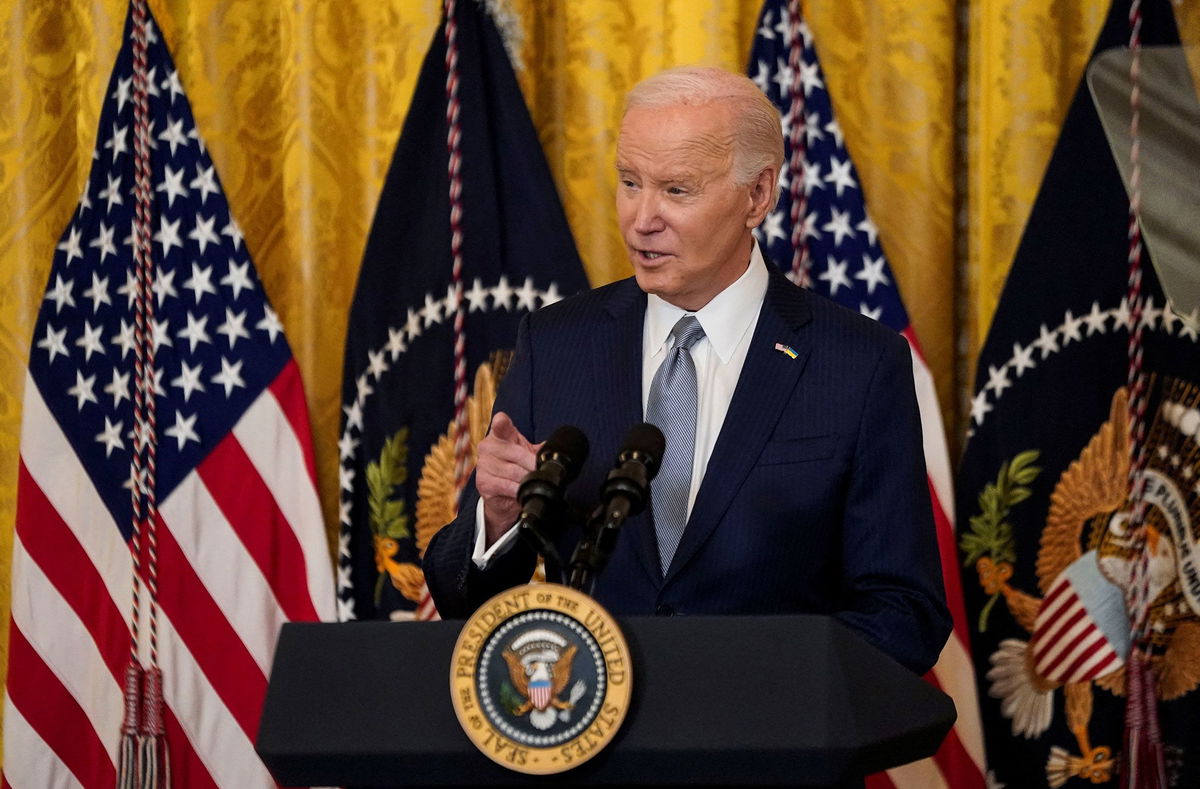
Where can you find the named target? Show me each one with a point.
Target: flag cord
(796, 169)
(143, 757)
(459, 431)
(462, 437)
(1142, 763)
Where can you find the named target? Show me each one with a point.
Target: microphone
(541, 491)
(623, 495)
(626, 489)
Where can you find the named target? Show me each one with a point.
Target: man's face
(686, 225)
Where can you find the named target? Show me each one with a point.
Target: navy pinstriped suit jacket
(815, 499)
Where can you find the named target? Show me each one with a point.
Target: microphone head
(646, 443)
(567, 446)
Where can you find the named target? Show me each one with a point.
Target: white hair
(757, 132)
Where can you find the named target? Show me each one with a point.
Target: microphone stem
(538, 542)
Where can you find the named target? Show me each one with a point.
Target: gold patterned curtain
(301, 105)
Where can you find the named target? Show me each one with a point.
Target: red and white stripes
(240, 551)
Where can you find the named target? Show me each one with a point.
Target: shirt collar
(725, 318)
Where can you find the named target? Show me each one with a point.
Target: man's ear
(762, 196)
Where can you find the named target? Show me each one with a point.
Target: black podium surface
(720, 700)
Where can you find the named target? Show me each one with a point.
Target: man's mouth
(649, 254)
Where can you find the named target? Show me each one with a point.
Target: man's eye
(628, 184)
(676, 190)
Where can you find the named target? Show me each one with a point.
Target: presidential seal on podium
(540, 678)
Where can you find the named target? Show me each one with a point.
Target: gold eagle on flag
(1079, 628)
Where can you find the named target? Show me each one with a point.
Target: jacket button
(664, 610)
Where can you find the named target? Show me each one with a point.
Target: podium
(799, 700)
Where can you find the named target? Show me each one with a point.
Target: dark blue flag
(1045, 477)
(397, 456)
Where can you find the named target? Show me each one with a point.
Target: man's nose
(648, 218)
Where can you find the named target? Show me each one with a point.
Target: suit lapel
(768, 378)
(619, 342)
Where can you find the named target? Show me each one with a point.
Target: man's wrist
(486, 545)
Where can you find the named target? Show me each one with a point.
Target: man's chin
(667, 290)
(652, 282)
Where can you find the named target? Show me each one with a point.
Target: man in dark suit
(793, 479)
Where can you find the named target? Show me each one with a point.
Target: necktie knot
(687, 331)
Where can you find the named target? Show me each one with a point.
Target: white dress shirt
(728, 321)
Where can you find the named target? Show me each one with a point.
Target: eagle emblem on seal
(539, 665)
(1078, 626)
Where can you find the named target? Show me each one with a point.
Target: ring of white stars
(1074, 329)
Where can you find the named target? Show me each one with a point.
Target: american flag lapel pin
(785, 349)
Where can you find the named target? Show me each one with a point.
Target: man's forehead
(676, 134)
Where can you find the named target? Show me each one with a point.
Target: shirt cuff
(482, 554)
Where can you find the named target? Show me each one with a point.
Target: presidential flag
(1045, 479)
(469, 236)
(821, 233)
(219, 447)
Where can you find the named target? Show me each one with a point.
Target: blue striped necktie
(672, 409)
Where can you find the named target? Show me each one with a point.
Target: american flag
(846, 263)
(240, 541)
